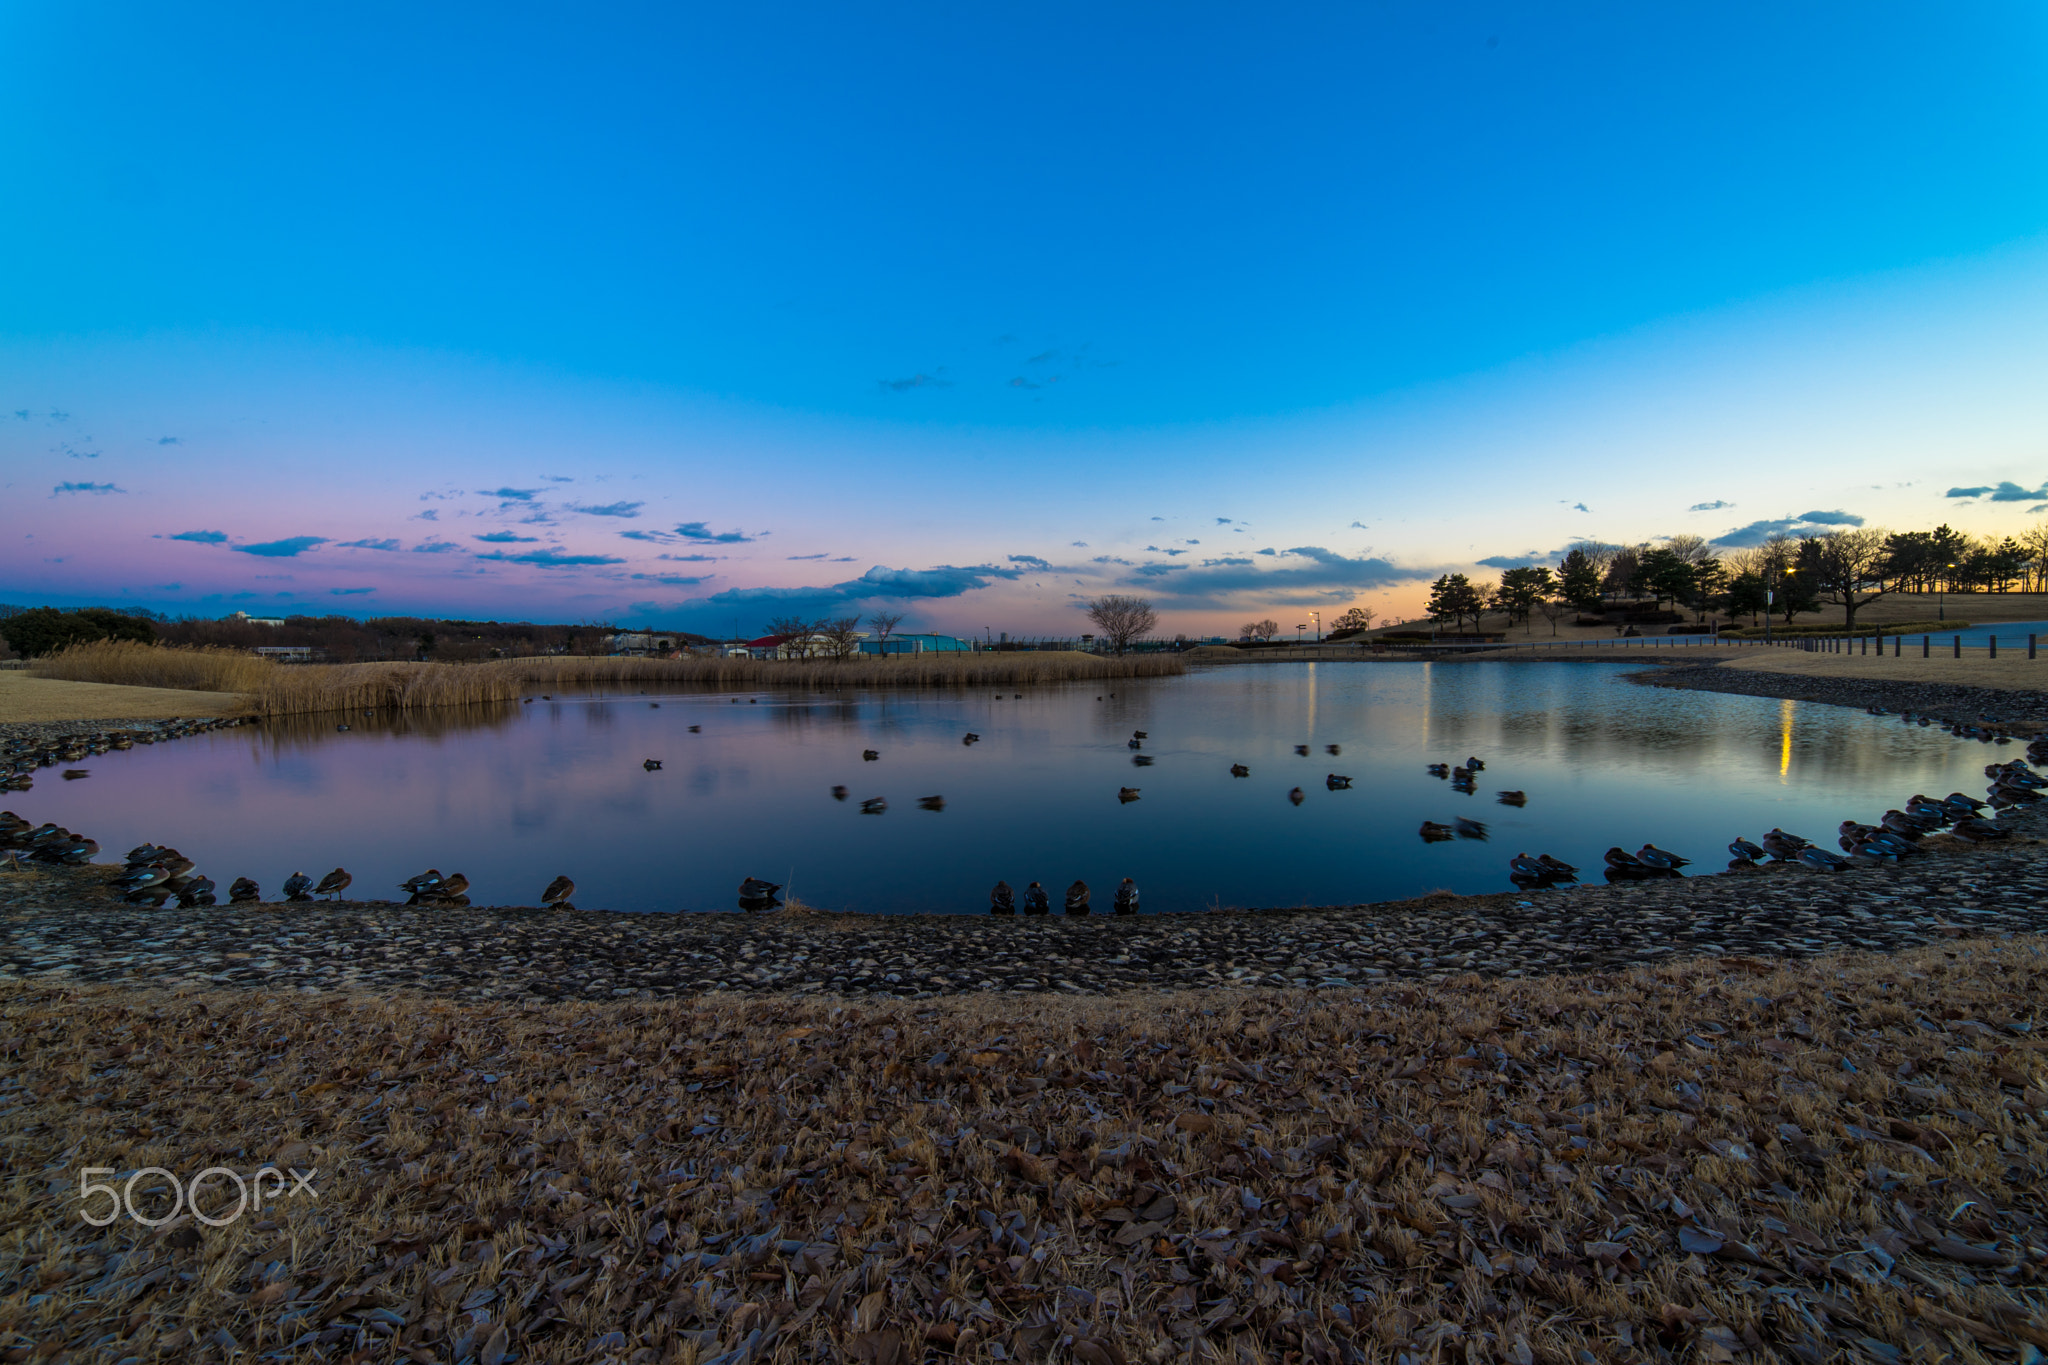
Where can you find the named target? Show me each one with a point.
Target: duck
(1337, 782)
(1333, 750)
(425, 884)
(1432, 832)
(1301, 749)
(1134, 744)
(453, 888)
(296, 886)
(1239, 770)
(334, 883)
(142, 878)
(754, 889)
(1557, 866)
(869, 755)
(244, 890)
(1126, 900)
(1902, 824)
(199, 891)
(341, 727)
(839, 793)
(1036, 902)
(1474, 765)
(970, 738)
(1972, 830)
(1657, 857)
(1821, 860)
(1927, 808)
(931, 802)
(873, 805)
(1513, 798)
(1782, 846)
(1077, 898)
(1470, 829)
(1001, 900)
(556, 897)
(1439, 770)
(1139, 734)
(1616, 857)
(1127, 794)
(652, 765)
(1523, 865)
(696, 729)
(1961, 805)
(1297, 796)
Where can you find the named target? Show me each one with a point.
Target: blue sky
(904, 302)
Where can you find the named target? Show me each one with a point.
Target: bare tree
(798, 634)
(1848, 568)
(883, 623)
(1553, 609)
(1260, 630)
(842, 636)
(1122, 619)
(1356, 619)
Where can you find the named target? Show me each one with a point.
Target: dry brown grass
(26, 698)
(291, 689)
(138, 665)
(1712, 1161)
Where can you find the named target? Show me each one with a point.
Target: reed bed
(296, 689)
(131, 664)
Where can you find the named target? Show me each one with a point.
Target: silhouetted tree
(1122, 619)
(1453, 598)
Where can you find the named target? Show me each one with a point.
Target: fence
(1930, 645)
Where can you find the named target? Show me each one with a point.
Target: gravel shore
(67, 920)
(2022, 712)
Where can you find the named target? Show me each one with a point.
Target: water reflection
(1231, 805)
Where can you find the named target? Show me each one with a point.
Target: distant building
(915, 644)
(247, 619)
(287, 654)
(642, 643)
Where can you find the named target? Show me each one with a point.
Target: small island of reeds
(276, 689)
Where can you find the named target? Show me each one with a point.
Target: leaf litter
(1732, 1159)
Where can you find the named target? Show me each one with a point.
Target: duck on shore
(1036, 902)
(1001, 900)
(334, 883)
(557, 895)
(1126, 901)
(296, 886)
(1077, 898)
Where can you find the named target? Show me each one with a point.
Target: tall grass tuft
(292, 689)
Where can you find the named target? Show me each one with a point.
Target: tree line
(1787, 575)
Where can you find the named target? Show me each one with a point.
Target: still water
(518, 794)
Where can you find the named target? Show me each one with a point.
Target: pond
(518, 794)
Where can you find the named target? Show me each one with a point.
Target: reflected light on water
(513, 796)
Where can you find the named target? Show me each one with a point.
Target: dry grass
(137, 665)
(27, 698)
(2011, 670)
(291, 689)
(1720, 1160)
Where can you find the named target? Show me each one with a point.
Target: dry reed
(276, 690)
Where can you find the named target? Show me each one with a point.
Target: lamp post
(1941, 600)
(1317, 617)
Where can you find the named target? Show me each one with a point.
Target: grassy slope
(1704, 1161)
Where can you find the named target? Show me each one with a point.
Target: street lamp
(1941, 600)
(1317, 617)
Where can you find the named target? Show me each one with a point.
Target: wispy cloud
(878, 584)
(169, 441)
(1715, 506)
(367, 545)
(1030, 561)
(691, 559)
(68, 487)
(505, 538)
(288, 548)
(201, 537)
(75, 453)
(440, 547)
(652, 537)
(697, 530)
(674, 580)
(815, 556)
(508, 494)
(1358, 526)
(350, 592)
(1111, 559)
(609, 509)
(1522, 561)
(552, 558)
(916, 381)
(1308, 575)
(2004, 491)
